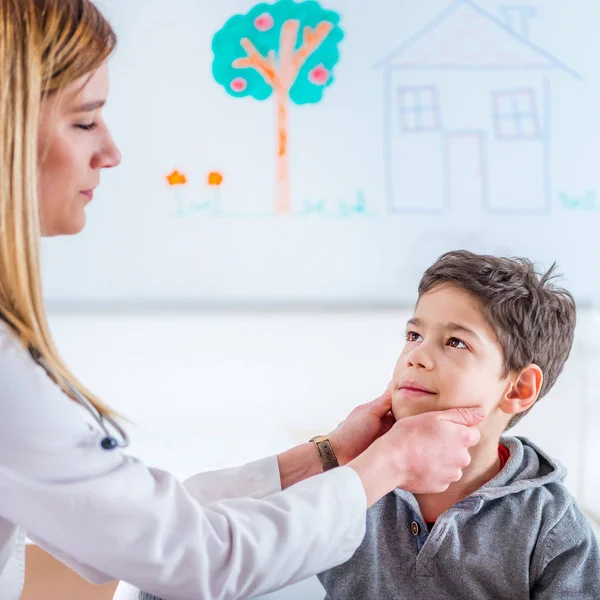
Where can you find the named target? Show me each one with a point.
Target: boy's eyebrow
(448, 326)
(458, 327)
(414, 321)
(89, 106)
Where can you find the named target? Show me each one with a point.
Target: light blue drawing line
(544, 137)
(438, 109)
(387, 136)
(444, 15)
(547, 120)
(514, 101)
(210, 208)
(333, 217)
(476, 133)
(343, 208)
(515, 116)
(513, 91)
(409, 210)
(523, 11)
(485, 176)
(519, 212)
(470, 68)
(446, 167)
(418, 109)
(464, 132)
(544, 210)
(359, 207)
(241, 215)
(384, 62)
(586, 202)
(517, 138)
(179, 201)
(557, 63)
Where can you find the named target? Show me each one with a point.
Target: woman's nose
(108, 156)
(113, 155)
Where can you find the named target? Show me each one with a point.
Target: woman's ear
(523, 391)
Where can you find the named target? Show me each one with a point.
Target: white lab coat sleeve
(109, 516)
(257, 479)
(254, 480)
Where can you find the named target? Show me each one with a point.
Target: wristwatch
(328, 458)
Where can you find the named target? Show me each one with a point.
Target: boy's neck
(485, 465)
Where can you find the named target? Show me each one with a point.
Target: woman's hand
(350, 439)
(423, 454)
(362, 427)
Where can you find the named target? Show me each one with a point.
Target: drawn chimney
(517, 18)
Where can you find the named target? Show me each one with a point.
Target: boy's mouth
(412, 388)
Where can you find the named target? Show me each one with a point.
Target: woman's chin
(75, 226)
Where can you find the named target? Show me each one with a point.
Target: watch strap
(326, 453)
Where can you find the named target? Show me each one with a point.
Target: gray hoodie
(519, 536)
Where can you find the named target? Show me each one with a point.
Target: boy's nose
(420, 359)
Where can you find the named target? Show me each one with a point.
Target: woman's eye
(456, 343)
(86, 127)
(412, 336)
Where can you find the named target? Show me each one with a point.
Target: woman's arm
(109, 516)
(350, 439)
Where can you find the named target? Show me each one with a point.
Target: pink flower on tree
(284, 48)
(239, 84)
(319, 75)
(264, 22)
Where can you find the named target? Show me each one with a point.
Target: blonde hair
(44, 46)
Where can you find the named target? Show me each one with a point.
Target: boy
(486, 332)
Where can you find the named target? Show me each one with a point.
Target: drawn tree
(287, 48)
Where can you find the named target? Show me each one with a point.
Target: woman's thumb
(382, 405)
(464, 416)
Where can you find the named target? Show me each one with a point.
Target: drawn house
(468, 115)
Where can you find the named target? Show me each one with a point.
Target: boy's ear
(523, 391)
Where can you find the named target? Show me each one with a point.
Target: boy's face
(452, 358)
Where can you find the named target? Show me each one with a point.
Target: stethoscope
(109, 441)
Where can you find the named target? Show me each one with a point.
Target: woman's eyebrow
(89, 106)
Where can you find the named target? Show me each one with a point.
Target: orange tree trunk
(283, 203)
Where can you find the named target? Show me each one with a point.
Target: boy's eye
(456, 343)
(86, 127)
(412, 336)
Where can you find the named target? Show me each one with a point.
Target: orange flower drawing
(215, 178)
(176, 178)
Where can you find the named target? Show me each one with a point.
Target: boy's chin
(401, 410)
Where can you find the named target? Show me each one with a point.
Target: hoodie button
(415, 528)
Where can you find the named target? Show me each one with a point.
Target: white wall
(217, 389)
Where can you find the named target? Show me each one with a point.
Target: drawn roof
(467, 36)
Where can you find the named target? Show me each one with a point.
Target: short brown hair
(533, 319)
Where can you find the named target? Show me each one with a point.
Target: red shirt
(504, 454)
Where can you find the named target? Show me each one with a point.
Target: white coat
(223, 535)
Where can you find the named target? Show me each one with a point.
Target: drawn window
(419, 108)
(516, 115)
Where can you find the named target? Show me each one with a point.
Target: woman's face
(74, 145)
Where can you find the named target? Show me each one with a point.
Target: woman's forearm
(299, 463)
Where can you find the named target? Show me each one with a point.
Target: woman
(229, 534)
